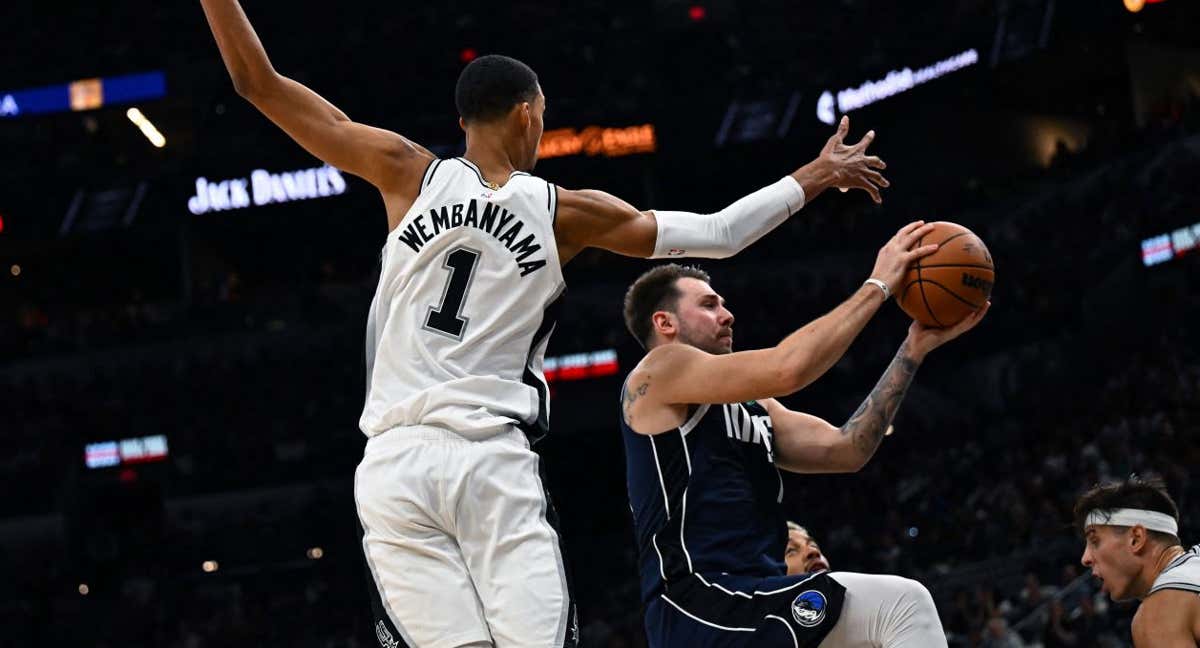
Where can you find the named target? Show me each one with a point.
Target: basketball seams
(920, 284)
(951, 293)
(978, 266)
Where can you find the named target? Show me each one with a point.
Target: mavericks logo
(808, 609)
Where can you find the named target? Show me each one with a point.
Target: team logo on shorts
(808, 609)
(384, 636)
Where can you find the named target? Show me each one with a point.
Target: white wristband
(887, 292)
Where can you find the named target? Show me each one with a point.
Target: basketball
(953, 282)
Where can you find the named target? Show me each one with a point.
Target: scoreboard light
(108, 454)
(84, 94)
(579, 366)
(597, 140)
(1164, 247)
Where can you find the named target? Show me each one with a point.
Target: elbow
(243, 87)
(846, 457)
(247, 88)
(250, 86)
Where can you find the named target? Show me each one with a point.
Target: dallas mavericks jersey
(706, 497)
(1183, 573)
(462, 314)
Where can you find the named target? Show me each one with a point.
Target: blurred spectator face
(803, 555)
(1108, 554)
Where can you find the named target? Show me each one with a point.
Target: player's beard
(708, 344)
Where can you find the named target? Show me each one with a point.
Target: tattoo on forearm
(631, 395)
(873, 417)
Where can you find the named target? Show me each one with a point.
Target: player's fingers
(843, 128)
(911, 227)
(971, 320)
(873, 190)
(875, 163)
(913, 234)
(876, 178)
(865, 141)
(921, 252)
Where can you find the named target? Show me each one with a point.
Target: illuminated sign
(106, 454)
(578, 366)
(85, 94)
(264, 188)
(1164, 247)
(894, 83)
(596, 140)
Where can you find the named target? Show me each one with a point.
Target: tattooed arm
(808, 444)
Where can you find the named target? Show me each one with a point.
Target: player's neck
(1164, 558)
(487, 152)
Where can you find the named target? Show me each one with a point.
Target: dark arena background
(184, 291)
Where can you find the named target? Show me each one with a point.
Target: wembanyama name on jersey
(469, 284)
(480, 214)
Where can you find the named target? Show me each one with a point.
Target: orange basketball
(946, 286)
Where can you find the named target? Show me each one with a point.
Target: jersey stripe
(672, 465)
(429, 171)
(540, 426)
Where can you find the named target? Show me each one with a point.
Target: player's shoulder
(1167, 614)
(667, 358)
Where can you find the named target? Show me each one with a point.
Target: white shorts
(459, 544)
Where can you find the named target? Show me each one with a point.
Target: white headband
(1151, 520)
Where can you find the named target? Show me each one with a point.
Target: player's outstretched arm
(680, 374)
(389, 161)
(596, 219)
(807, 444)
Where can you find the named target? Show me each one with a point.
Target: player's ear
(1137, 538)
(664, 323)
(462, 123)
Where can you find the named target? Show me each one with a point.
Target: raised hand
(923, 339)
(899, 252)
(852, 167)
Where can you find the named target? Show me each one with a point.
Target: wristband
(887, 292)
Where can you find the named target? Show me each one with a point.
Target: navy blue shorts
(723, 611)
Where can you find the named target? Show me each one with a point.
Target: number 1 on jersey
(446, 318)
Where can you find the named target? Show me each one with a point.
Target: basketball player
(803, 554)
(704, 440)
(1131, 529)
(458, 532)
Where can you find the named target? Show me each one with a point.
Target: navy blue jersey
(706, 497)
(711, 536)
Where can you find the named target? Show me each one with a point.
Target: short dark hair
(1136, 492)
(491, 85)
(655, 290)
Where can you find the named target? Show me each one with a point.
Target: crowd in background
(241, 339)
(972, 496)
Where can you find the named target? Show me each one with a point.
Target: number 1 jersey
(465, 306)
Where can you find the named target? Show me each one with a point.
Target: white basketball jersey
(463, 312)
(1183, 573)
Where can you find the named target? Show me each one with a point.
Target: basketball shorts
(460, 542)
(725, 611)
